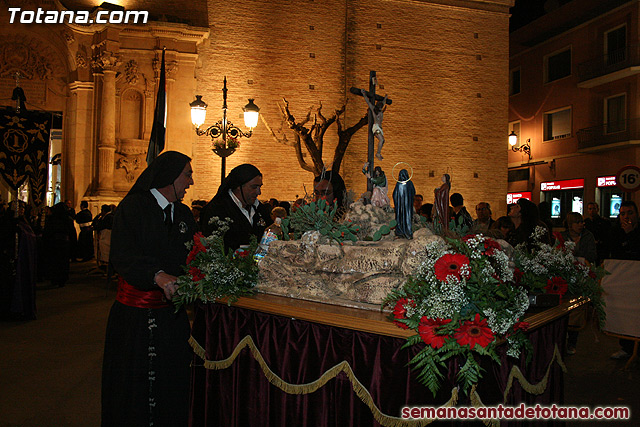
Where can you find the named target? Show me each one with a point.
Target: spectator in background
(273, 203)
(600, 228)
(544, 210)
(425, 211)
(417, 202)
(625, 244)
(461, 215)
(585, 243)
(85, 238)
(59, 238)
(483, 222)
(585, 247)
(287, 206)
(17, 270)
(625, 240)
(70, 210)
(502, 228)
(330, 186)
(196, 209)
(525, 219)
(102, 225)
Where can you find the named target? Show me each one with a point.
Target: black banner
(24, 150)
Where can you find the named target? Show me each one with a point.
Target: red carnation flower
(517, 275)
(196, 274)
(400, 312)
(198, 247)
(556, 285)
(491, 246)
(449, 265)
(428, 333)
(520, 325)
(474, 332)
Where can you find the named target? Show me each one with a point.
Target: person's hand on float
(167, 283)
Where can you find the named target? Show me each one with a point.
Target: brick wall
(446, 69)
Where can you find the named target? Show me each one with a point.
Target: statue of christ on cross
(377, 104)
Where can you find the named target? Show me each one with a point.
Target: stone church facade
(444, 63)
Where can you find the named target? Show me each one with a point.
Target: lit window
(557, 124)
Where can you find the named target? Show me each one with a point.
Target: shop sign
(606, 181)
(514, 197)
(568, 184)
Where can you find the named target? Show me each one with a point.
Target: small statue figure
(379, 196)
(403, 195)
(441, 202)
(377, 112)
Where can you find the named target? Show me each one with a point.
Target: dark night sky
(525, 11)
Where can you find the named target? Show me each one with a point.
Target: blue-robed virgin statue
(403, 195)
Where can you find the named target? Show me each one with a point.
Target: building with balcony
(574, 104)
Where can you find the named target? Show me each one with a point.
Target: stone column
(107, 142)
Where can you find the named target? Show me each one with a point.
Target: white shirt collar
(246, 213)
(162, 201)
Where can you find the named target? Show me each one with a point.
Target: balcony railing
(611, 133)
(611, 62)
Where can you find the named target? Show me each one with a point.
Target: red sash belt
(134, 297)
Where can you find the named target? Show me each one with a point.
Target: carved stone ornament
(129, 164)
(170, 67)
(81, 60)
(68, 36)
(25, 56)
(106, 60)
(131, 72)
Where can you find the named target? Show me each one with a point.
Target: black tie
(167, 216)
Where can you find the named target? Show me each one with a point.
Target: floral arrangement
(231, 144)
(212, 273)
(461, 302)
(544, 268)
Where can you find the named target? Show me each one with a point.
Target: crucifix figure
(377, 104)
(376, 127)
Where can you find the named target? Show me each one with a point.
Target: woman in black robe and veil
(403, 195)
(146, 373)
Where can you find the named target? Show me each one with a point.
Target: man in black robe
(145, 377)
(237, 199)
(85, 237)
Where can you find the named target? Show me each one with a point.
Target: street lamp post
(526, 147)
(224, 134)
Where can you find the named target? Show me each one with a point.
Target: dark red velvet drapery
(300, 352)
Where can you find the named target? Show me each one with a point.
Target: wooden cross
(373, 98)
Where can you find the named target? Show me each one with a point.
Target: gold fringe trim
(534, 388)
(343, 366)
(361, 391)
(477, 403)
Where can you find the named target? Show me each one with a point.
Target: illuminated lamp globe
(251, 114)
(198, 111)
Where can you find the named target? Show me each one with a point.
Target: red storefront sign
(568, 184)
(514, 197)
(606, 181)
